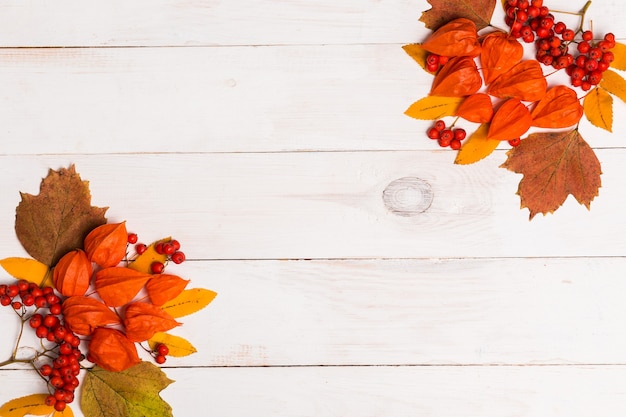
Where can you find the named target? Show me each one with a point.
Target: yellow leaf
(598, 107)
(188, 302)
(27, 269)
(434, 107)
(30, 405)
(619, 51)
(177, 345)
(614, 84)
(418, 53)
(477, 147)
(142, 262)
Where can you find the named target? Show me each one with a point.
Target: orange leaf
(163, 288)
(143, 320)
(72, 273)
(458, 78)
(557, 109)
(476, 147)
(106, 245)
(476, 108)
(111, 350)
(416, 52)
(84, 314)
(119, 285)
(598, 105)
(554, 165)
(619, 51)
(499, 54)
(456, 38)
(511, 121)
(525, 81)
(479, 11)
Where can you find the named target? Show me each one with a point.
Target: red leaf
(511, 121)
(443, 11)
(458, 78)
(119, 285)
(83, 315)
(143, 320)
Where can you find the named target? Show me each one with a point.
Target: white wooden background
(262, 135)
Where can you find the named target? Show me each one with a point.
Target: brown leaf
(476, 108)
(84, 314)
(554, 165)
(57, 220)
(143, 320)
(119, 285)
(458, 78)
(511, 121)
(112, 350)
(525, 81)
(559, 108)
(456, 38)
(500, 52)
(443, 11)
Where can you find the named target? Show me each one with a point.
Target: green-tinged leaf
(614, 84)
(188, 302)
(619, 51)
(56, 221)
(477, 147)
(34, 405)
(142, 262)
(434, 107)
(443, 11)
(27, 269)
(177, 345)
(130, 393)
(598, 107)
(418, 54)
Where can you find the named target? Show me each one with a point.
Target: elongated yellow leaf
(142, 262)
(418, 53)
(434, 107)
(30, 405)
(614, 84)
(188, 302)
(619, 51)
(598, 107)
(177, 345)
(477, 146)
(27, 269)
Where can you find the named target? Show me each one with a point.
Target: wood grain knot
(408, 196)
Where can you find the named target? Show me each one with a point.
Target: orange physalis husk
(72, 273)
(500, 53)
(511, 121)
(111, 350)
(456, 38)
(558, 109)
(164, 287)
(525, 81)
(458, 78)
(119, 285)
(143, 320)
(106, 245)
(476, 108)
(84, 314)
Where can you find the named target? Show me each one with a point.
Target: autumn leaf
(418, 54)
(458, 78)
(554, 165)
(614, 84)
(119, 285)
(189, 302)
(28, 269)
(619, 52)
(178, 346)
(476, 108)
(29, 405)
(84, 314)
(130, 393)
(511, 121)
(57, 220)
(456, 38)
(598, 105)
(443, 11)
(525, 81)
(434, 107)
(143, 262)
(476, 147)
(559, 108)
(499, 54)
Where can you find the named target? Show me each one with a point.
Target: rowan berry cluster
(584, 58)
(159, 353)
(434, 62)
(41, 308)
(170, 248)
(446, 137)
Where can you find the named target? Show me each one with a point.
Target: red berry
(547, 60)
(175, 243)
(159, 248)
(140, 248)
(608, 57)
(168, 249)
(546, 22)
(532, 11)
(512, 3)
(537, 3)
(57, 382)
(444, 142)
(41, 332)
(587, 35)
(460, 134)
(609, 37)
(22, 285)
(179, 257)
(65, 349)
(160, 359)
(586, 86)
(5, 300)
(568, 35)
(52, 299)
(432, 67)
(543, 33)
(515, 142)
(35, 321)
(604, 46)
(28, 300)
(440, 125)
(50, 400)
(578, 73)
(432, 133)
(60, 405)
(561, 62)
(55, 309)
(132, 238)
(583, 47)
(594, 77)
(595, 53)
(432, 59)
(529, 39)
(157, 267)
(443, 60)
(50, 320)
(521, 16)
(162, 349)
(577, 82)
(603, 66)
(526, 31)
(12, 290)
(523, 4)
(45, 370)
(455, 144)
(17, 305)
(591, 65)
(559, 28)
(40, 302)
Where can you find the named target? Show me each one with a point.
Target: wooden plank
(239, 99)
(382, 391)
(328, 205)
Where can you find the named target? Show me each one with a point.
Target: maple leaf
(57, 220)
(554, 165)
(443, 11)
(130, 393)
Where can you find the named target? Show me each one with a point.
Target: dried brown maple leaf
(57, 220)
(554, 165)
(443, 11)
